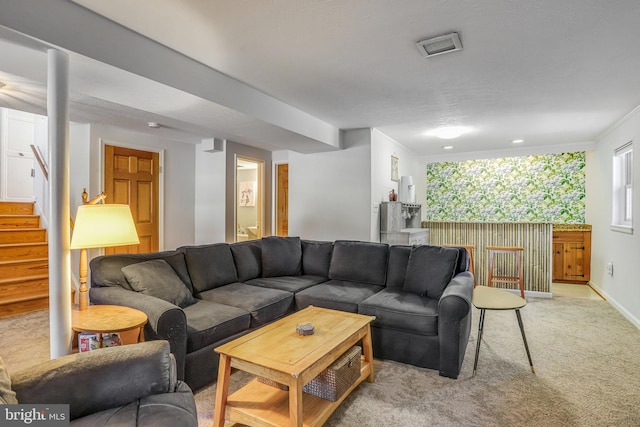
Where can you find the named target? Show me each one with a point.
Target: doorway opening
(249, 210)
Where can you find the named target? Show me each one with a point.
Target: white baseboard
(628, 315)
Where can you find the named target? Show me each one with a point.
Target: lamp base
(83, 299)
(83, 296)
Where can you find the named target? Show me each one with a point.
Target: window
(622, 219)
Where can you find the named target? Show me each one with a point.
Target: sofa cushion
(430, 270)
(287, 283)
(281, 256)
(316, 257)
(264, 304)
(210, 266)
(397, 270)
(363, 262)
(106, 270)
(404, 311)
(336, 294)
(158, 279)
(209, 322)
(248, 259)
(7, 396)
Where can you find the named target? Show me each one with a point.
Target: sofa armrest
(454, 323)
(455, 301)
(165, 320)
(101, 379)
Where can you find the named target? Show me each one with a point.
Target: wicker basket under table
(333, 381)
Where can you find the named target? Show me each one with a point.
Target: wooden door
(282, 200)
(558, 261)
(131, 177)
(572, 256)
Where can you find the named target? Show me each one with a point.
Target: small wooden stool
(485, 298)
(514, 280)
(469, 249)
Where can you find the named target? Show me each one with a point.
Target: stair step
(24, 235)
(19, 221)
(24, 265)
(22, 251)
(16, 208)
(28, 305)
(24, 268)
(23, 288)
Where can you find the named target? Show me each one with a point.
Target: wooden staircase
(24, 260)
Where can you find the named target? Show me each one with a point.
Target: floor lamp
(100, 226)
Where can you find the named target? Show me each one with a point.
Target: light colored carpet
(586, 356)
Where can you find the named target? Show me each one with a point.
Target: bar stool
(469, 249)
(514, 280)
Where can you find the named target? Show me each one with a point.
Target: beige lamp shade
(102, 225)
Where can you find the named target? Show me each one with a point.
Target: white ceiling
(550, 72)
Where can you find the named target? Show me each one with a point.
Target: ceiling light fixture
(447, 147)
(153, 125)
(438, 45)
(517, 141)
(449, 132)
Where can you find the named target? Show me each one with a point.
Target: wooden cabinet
(571, 256)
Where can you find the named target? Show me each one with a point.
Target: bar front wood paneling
(535, 238)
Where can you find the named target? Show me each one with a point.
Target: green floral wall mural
(546, 188)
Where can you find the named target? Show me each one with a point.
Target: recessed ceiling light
(517, 141)
(447, 147)
(449, 132)
(438, 45)
(153, 125)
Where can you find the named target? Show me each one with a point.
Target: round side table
(99, 319)
(486, 298)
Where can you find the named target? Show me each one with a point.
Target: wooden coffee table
(278, 353)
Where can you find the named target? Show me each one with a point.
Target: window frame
(622, 203)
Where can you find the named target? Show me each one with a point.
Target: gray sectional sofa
(199, 297)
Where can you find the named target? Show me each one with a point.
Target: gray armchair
(132, 385)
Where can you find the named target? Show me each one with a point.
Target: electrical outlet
(610, 269)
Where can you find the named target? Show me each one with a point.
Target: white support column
(59, 229)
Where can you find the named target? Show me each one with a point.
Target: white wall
(382, 148)
(622, 289)
(210, 182)
(79, 155)
(330, 193)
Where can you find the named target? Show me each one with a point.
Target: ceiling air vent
(438, 45)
